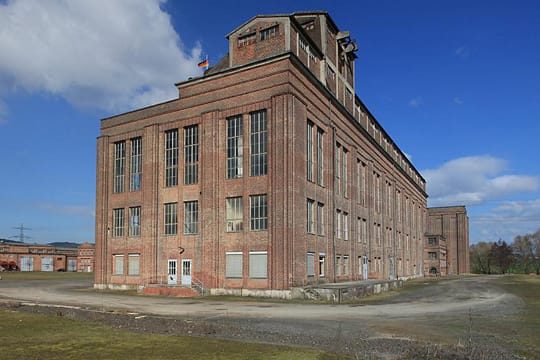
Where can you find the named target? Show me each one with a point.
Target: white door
(47, 264)
(364, 267)
(172, 273)
(72, 265)
(186, 272)
(27, 263)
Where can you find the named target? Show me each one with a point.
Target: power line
(21, 235)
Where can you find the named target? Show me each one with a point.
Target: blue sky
(455, 83)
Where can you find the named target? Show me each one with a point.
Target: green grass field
(32, 336)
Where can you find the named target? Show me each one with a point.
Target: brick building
(447, 236)
(16, 255)
(86, 257)
(268, 172)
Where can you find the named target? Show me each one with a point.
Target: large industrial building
(266, 173)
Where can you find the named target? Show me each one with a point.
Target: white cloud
(506, 221)
(71, 210)
(474, 180)
(458, 101)
(416, 102)
(112, 55)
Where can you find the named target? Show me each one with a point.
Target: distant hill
(65, 245)
(7, 241)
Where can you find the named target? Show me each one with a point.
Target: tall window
(119, 166)
(259, 212)
(235, 148)
(259, 140)
(171, 157)
(345, 265)
(310, 218)
(337, 168)
(320, 161)
(171, 219)
(309, 150)
(338, 223)
(320, 218)
(389, 198)
(344, 172)
(118, 264)
(118, 222)
(361, 182)
(235, 214)
(191, 217)
(135, 221)
(136, 165)
(191, 154)
(377, 192)
(345, 226)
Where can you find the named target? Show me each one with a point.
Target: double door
(172, 272)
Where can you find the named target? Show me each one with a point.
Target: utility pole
(21, 235)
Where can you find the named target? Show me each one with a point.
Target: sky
(456, 84)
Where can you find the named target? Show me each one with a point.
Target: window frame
(119, 167)
(258, 157)
(191, 217)
(171, 158)
(134, 227)
(119, 219)
(258, 205)
(235, 147)
(136, 163)
(234, 206)
(191, 154)
(170, 213)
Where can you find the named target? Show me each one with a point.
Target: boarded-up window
(310, 264)
(233, 265)
(257, 264)
(133, 264)
(118, 264)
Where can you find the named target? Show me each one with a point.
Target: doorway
(186, 272)
(172, 278)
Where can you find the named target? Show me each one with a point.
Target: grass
(34, 336)
(39, 275)
(521, 330)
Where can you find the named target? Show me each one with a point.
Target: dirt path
(391, 328)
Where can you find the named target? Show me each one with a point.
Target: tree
(480, 260)
(523, 252)
(501, 255)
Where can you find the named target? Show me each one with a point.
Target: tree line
(499, 257)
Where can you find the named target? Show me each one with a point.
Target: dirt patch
(338, 337)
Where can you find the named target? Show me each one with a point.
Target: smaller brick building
(446, 251)
(85, 257)
(20, 256)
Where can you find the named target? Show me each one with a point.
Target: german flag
(203, 64)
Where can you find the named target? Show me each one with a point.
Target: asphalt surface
(459, 295)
